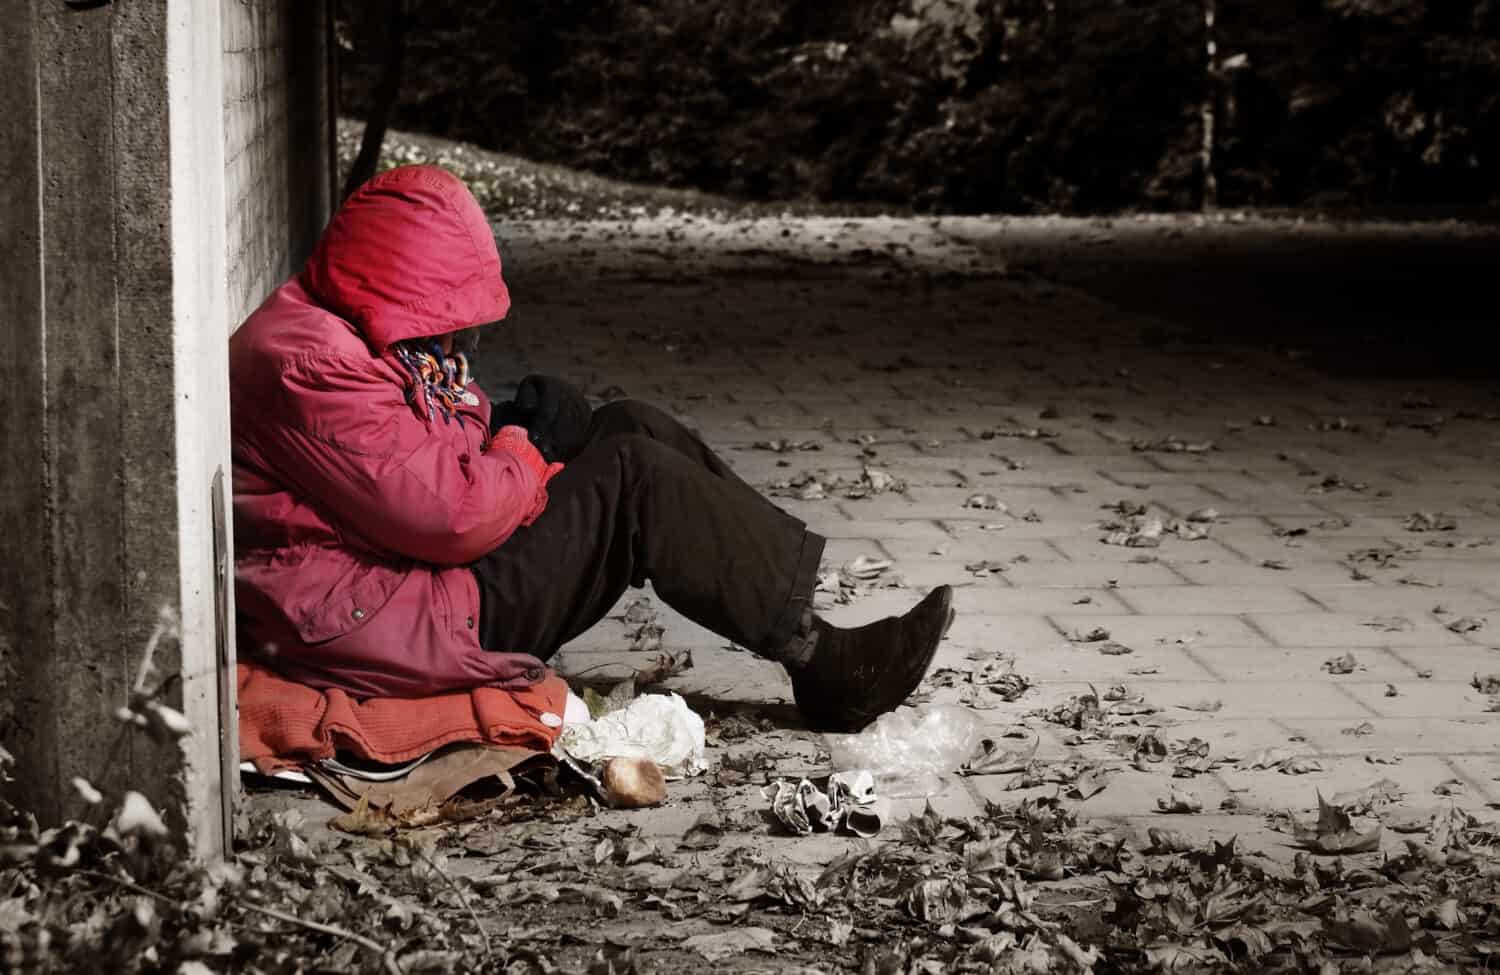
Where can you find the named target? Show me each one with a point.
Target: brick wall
(277, 143)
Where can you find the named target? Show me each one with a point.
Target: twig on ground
(129, 885)
(386, 957)
(463, 898)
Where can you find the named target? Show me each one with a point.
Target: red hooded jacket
(356, 515)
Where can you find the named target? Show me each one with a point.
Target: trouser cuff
(782, 641)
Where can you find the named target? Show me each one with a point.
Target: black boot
(845, 678)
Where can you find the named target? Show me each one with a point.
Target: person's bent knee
(638, 449)
(625, 416)
(622, 412)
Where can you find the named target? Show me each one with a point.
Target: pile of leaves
(549, 886)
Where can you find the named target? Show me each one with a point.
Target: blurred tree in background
(970, 105)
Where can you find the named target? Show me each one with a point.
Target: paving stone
(1036, 601)
(1132, 792)
(922, 530)
(1038, 573)
(1426, 699)
(1253, 664)
(1013, 633)
(1442, 736)
(1297, 572)
(1143, 632)
(1403, 599)
(1089, 546)
(1418, 775)
(755, 378)
(1214, 600)
(1082, 662)
(1451, 662)
(973, 546)
(1376, 625)
(1282, 700)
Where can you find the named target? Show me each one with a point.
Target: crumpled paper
(660, 727)
(847, 802)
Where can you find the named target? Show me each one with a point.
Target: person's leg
(646, 500)
(630, 509)
(627, 416)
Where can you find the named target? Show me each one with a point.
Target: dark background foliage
(968, 105)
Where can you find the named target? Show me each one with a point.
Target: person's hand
(515, 441)
(555, 415)
(518, 443)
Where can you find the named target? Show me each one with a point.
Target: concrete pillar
(115, 437)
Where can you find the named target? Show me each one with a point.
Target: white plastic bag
(910, 750)
(660, 727)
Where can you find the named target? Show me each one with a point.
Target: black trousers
(646, 500)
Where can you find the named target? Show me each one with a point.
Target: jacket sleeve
(345, 439)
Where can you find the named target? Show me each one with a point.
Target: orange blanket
(284, 724)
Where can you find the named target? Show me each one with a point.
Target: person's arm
(350, 445)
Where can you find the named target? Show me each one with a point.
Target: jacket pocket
(349, 606)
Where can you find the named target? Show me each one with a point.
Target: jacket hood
(409, 254)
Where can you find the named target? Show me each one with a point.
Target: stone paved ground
(905, 344)
(910, 334)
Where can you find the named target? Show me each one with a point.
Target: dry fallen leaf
(1138, 533)
(137, 817)
(1423, 521)
(866, 567)
(704, 834)
(990, 759)
(1179, 801)
(1089, 784)
(1186, 530)
(1169, 841)
(736, 941)
(1266, 758)
(1345, 664)
(1364, 933)
(1300, 765)
(1372, 798)
(1334, 833)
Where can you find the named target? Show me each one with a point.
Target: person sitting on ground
(395, 536)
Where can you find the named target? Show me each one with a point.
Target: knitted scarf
(436, 383)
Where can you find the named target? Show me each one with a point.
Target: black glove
(555, 415)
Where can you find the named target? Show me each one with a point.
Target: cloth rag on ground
(418, 797)
(283, 724)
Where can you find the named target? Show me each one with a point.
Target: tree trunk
(1209, 198)
(397, 21)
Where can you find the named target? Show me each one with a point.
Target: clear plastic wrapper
(909, 751)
